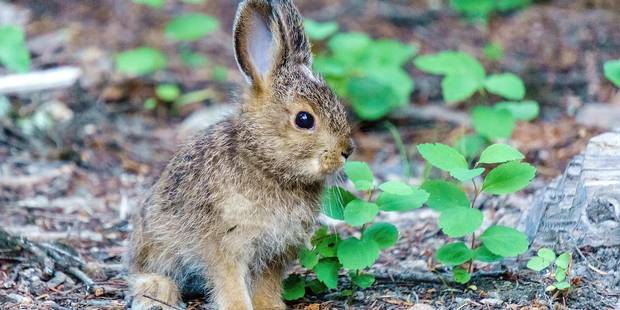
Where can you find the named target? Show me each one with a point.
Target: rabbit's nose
(348, 150)
(346, 154)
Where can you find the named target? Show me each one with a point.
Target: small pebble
(492, 301)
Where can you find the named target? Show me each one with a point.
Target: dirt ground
(74, 186)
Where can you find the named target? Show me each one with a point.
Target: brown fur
(233, 205)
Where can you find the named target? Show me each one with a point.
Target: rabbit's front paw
(152, 291)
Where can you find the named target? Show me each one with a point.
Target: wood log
(582, 206)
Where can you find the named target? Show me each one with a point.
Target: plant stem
(401, 147)
(473, 235)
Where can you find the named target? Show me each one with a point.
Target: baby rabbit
(232, 207)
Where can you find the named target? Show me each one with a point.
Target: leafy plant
(14, 54)
(612, 71)
(331, 253)
(183, 29)
(464, 76)
(459, 217)
(544, 259)
(367, 73)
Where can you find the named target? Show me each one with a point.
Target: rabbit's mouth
(329, 163)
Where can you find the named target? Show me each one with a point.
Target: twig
(162, 302)
(601, 272)
(80, 275)
(39, 80)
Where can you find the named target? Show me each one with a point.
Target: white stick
(39, 80)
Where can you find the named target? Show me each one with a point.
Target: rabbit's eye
(304, 120)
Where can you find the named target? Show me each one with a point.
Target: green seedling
(546, 258)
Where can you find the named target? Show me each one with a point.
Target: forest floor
(74, 185)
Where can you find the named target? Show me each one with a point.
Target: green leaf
(359, 212)
(349, 44)
(508, 178)
(560, 274)
(466, 174)
(316, 286)
(14, 54)
(191, 26)
(167, 92)
(562, 285)
(357, 254)
(464, 74)
(150, 104)
(456, 88)
(326, 244)
(389, 53)
(444, 195)
(493, 51)
(320, 31)
(294, 287)
(461, 275)
(550, 288)
(458, 222)
(370, 98)
(563, 261)
(401, 203)
(471, 145)
(140, 61)
(219, 73)
(152, 3)
(454, 254)
(397, 188)
(384, 235)
(500, 153)
(537, 263)
(334, 200)
(475, 9)
(504, 241)
(612, 71)
(524, 111)
(484, 255)
(493, 124)
(442, 156)
(506, 85)
(308, 258)
(327, 272)
(363, 281)
(452, 63)
(547, 254)
(360, 174)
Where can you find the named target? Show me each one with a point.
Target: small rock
(492, 301)
(599, 115)
(20, 299)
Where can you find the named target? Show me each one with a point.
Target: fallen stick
(39, 80)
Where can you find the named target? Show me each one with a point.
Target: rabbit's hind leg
(152, 290)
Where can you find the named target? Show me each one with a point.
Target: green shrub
(331, 252)
(184, 28)
(505, 174)
(367, 73)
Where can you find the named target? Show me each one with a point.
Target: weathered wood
(582, 206)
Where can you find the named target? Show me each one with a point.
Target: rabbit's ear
(269, 34)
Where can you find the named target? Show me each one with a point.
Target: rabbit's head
(292, 125)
